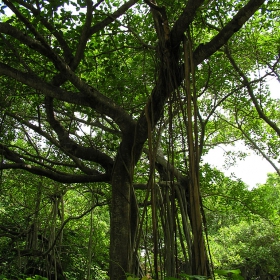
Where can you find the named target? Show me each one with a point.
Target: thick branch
(206, 50)
(24, 157)
(61, 177)
(71, 148)
(92, 98)
(93, 95)
(183, 22)
(10, 155)
(8, 29)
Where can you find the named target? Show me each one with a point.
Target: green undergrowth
(234, 274)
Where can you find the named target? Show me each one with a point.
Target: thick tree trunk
(120, 245)
(123, 220)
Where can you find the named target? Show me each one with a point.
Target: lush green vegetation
(107, 109)
(243, 228)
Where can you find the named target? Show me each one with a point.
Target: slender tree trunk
(199, 256)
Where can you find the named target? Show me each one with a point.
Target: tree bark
(123, 227)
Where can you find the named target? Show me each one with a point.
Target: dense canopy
(121, 99)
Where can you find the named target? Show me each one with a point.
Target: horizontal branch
(61, 177)
(87, 96)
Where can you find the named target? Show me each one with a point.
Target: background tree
(244, 227)
(128, 94)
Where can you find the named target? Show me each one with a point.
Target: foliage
(230, 274)
(249, 243)
(219, 274)
(18, 219)
(36, 277)
(107, 109)
(247, 246)
(267, 198)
